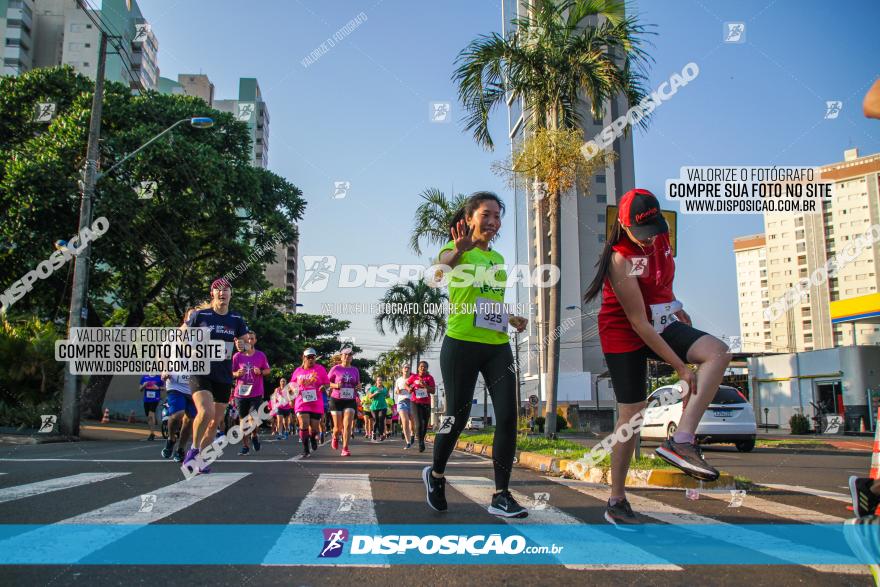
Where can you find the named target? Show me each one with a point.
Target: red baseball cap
(639, 211)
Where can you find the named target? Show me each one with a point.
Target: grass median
(562, 449)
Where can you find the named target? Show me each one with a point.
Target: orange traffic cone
(106, 418)
(131, 417)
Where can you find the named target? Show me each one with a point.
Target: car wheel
(745, 445)
(670, 430)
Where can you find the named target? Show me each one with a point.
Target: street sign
(533, 400)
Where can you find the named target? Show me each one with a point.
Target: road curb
(25, 439)
(579, 470)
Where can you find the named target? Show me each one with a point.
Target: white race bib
(491, 315)
(346, 393)
(309, 395)
(662, 315)
(421, 393)
(245, 389)
(151, 394)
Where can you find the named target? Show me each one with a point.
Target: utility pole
(69, 421)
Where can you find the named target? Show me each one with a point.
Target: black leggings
(422, 413)
(379, 416)
(460, 363)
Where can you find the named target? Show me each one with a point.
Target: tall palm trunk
(553, 325)
(555, 205)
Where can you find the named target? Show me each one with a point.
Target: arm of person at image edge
(453, 252)
(871, 104)
(628, 293)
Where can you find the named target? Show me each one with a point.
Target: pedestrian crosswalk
(341, 499)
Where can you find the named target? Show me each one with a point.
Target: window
(601, 198)
(799, 221)
(85, 64)
(600, 179)
(600, 218)
(75, 27)
(600, 238)
(799, 234)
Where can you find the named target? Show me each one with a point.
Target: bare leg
(713, 357)
(203, 426)
(621, 454)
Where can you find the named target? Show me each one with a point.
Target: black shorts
(283, 411)
(150, 407)
(246, 405)
(629, 370)
(219, 391)
(340, 405)
(367, 414)
(312, 415)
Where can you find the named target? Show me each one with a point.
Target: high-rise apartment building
(796, 245)
(46, 33)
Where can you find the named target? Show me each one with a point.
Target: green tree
(561, 53)
(432, 218)
(416, 298)
(30, 378)
(212, 209)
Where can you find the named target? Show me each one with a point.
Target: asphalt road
(381, 480)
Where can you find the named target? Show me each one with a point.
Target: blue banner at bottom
(440, 544)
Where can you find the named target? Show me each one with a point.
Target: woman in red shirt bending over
(641, 319)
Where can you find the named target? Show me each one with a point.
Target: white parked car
(474, 424)
(729, 418)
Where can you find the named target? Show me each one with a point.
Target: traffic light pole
(69, 421)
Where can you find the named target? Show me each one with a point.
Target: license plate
(722, 413)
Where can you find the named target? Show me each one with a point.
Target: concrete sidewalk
(94, 430)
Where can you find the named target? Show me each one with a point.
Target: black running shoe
(421, 446)
(169, 446)
(864, 501)
(621, 514)
(256, 442)
(436, 489)
(689, 458)
(151, 436)
(306, 454)
(178, 456)
(504, 505)
(314, 442)
(244, 450)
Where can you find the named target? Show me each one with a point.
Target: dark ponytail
(470, 205)
(602, 264)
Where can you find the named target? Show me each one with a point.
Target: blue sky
(360, 114)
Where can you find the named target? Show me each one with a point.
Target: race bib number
(662, 315)
(309, 395)
(346, 393)
(183, 379)
(152, 394)
(421, 393)
(245, 389)
(490, 315)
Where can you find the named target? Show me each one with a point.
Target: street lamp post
(69, 421)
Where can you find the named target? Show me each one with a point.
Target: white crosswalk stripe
(779, 509)
(480, 490)
(842, 497)
(739, 535)
(50, 485)
(336, 499)
(125, 517)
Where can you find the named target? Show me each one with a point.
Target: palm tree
(431, 222)
(413, 300)
(553, 61)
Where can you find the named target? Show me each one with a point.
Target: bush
(561, 423)
(799, 424)
(30, 378)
